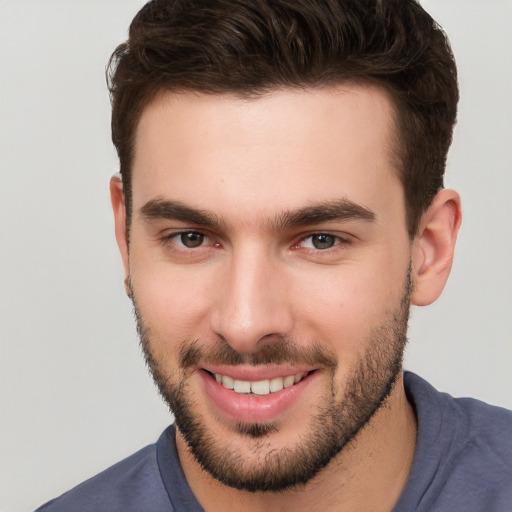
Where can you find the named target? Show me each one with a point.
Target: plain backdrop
(75, 395)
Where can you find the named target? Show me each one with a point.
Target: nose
(252, 304)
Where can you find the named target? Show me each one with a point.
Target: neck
(368, 474)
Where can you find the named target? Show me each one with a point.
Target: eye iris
(323, 241)
(192, 239)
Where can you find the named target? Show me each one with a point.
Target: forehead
(281, 150)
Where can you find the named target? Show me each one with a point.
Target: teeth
(242, 386)
(276, 384)
(261, 387)
(228, 382)
(289, 381)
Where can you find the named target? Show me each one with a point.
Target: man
(280, 206)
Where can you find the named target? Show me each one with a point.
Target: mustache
(280, 351)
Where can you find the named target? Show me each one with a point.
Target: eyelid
(341, 240)
(173, 236)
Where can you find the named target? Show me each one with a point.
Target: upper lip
(257, 373)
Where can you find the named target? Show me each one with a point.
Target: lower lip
(253, 408)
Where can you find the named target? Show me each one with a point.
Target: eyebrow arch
(338, 210)
(156, 209)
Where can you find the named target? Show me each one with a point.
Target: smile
(260, 387)
(256, 394)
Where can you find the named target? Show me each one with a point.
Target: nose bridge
(253, 304)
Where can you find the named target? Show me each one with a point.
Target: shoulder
(463, 457)
(133, 484)
(476, 422)
(489, 430)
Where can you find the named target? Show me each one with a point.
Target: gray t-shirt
(463, 462)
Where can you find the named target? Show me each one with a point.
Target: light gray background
(75, 395)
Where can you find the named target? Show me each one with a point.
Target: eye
(185, 239)
(189, 246)
(191, 239)
(320, 241)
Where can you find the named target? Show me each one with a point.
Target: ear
(119, 208)
(434, 246)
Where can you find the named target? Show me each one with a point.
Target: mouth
(256, 395)
(258, 387)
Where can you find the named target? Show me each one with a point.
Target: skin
(253, 282)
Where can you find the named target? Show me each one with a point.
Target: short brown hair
(249, 47)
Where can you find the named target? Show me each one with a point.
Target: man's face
(269, 253)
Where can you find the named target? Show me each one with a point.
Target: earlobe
(434, 246)
(119, 209)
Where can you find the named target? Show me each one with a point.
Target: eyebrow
(330, 211)
(339, 210)
(157, 209)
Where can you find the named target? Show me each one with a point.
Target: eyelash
(173, 237)
(338, 241)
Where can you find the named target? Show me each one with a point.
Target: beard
(333, 424)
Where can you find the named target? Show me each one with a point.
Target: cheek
(342, 305)
(172, 302)
(333, 307)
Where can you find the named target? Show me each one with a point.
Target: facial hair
(334, 422)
